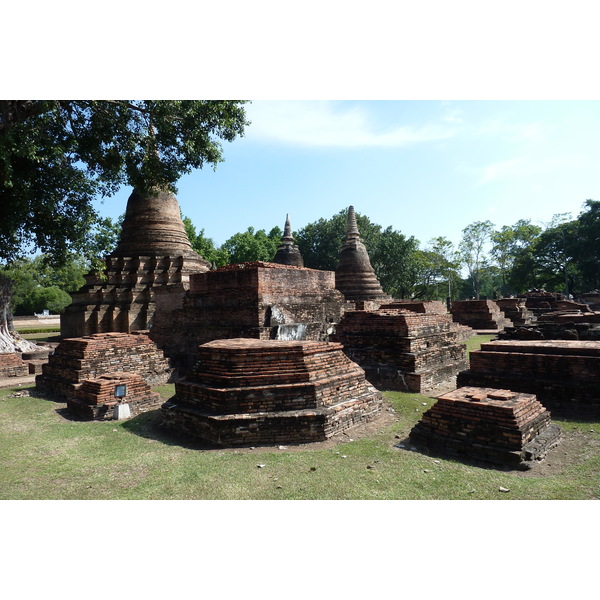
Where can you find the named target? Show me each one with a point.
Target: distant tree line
(563, 256)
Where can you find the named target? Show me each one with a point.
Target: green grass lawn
(44, 455)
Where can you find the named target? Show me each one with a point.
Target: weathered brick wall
(479, 314)
(12, 365)
(95, 398)
(78, 359)
(488, 424)
(564, 375)
(245, 391)
(516, 310)
(402, 350)
(255, 300)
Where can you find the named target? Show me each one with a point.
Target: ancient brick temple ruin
(563, 374)
(354, 276)
(516, 311)
(77, 360)
(401, 349)
(153, 253)
(251, 300)
(12, 365)
(479, 314)
(250, 392)
(490, 425)
(288, 252)
(97, 398)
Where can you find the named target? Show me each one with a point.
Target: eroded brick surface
(12, 365)
(246, 391)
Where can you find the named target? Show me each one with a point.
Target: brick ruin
(12, 365)
(559, 325)
(490, 425)
(95, 399)
(288, 252)
(250, 392)
(540, 302)
(250, 300)
(515, 309)
(401, 349)
(153, 253)
(354, 276)
(479, 314)
(76, 360)
(563, 374)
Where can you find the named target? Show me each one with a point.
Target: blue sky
(427, 168)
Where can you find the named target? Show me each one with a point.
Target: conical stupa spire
(287, 252)
(355, 277)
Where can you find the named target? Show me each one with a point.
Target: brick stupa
(76, 360)
(490, 425)
(250, 392)
(153, 252)
(288, 252)
(563, 374)
(354, 276)
(401, 349)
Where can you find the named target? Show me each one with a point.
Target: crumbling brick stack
(563, 374)
(558, 325)
(479, 314)
(516, 310)
(12, 365)
(249, 300)
(95, 398)
(248, 392)
(78, 359)
(490, 425)
(403, 350)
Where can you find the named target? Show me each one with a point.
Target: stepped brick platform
(563, 374)
(250, 392)
(479, 314)
(95, 398)
(78, 359)
(153, 253)
(490, 425)
(403, 350)
(354, 276)
(248, 300)
(12, 365)
(516, 310)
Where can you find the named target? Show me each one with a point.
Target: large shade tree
(58, 156)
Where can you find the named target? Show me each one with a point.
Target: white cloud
(329, 124)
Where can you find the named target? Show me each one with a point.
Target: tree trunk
(10, 340)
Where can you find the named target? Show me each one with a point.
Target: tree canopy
(57, 156)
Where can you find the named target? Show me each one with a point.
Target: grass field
(45, 455)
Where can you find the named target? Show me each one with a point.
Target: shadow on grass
(148, 425)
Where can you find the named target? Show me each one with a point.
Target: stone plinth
(354, 276)
(563, 374)
(249, 392)
(479, 314)
(78, 359)
(250, 300)
(403, 350)
(153, 253)
(95, 398)
(490, 425)
(12, 365)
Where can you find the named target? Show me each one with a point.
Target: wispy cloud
(331, 124)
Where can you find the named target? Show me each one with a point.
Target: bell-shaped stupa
(288, 252)
(355, 277)
(153, 252)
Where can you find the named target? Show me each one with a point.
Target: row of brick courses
(403, 350)
(565, 375)
(479, 314)
(78, 359)
(12, 365)
(516, 311)
(237, 394)
(488, 424)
